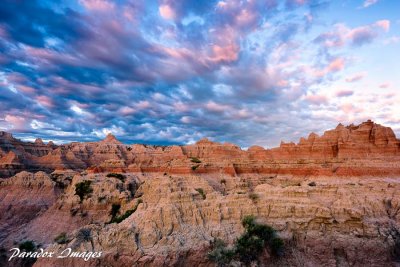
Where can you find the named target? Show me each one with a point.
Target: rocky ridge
(353, 150)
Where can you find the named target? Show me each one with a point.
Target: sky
(173, 72)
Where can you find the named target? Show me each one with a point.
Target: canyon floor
(334, 200)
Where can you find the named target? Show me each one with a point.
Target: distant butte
(365, 149)
(110, 138)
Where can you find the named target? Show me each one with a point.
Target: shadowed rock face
(352, 150)
(334, 199)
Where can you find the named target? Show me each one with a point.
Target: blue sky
(172, 72)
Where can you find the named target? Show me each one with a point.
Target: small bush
(195, 160)
(84, 234)
(82, 189)
(220, 254)
(312, 184)
(195, 167)
(223, 181)
(119, 176)
(249, 246)
(27, 246)
(276, 246)
(61, 238)
(118, 219)
(201, 192)
(115, 207)
(253, 196)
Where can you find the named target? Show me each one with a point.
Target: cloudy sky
(174, 71)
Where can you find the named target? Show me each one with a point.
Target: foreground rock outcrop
(333, 199)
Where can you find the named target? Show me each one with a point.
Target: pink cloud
(167, 12)
(127, 111)
(384, 24)
(226, 53)
(336, 65)
(344, 93)
(143, 104)
(215, 107)
(316, 99)
(368, 3)
(99, 5)
(17, 122)
(355, 77)
(384, 85)
(342, 35)
(45, 101)
(349, 108)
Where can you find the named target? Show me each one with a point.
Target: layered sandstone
(333, 198)
(352, 150)
(325, 221)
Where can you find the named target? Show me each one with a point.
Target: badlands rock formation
(368, 148)
(334, 199)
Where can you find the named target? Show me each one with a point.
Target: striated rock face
(325, 221)
(368, 148)
(334, 199)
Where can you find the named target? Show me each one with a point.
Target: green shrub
(118, 219)
(195, 167)
(82, 189)
(201, 192)
(28, 246)
(253, 196)
(312, 184)
(195, 160)
(115, 207)
(119, 176)
(250, 245)
(277, 247)
(84, 235)
(61, 238)
(220, 254)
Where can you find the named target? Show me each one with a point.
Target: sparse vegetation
(83, 189)
(195, 167)
(220, 254)
(253, 196)
(119, 176)
(195, 160)
(312, 184)
(118, 219)
(249, 246)
(61, 238)
(201, 192)
(27, 246)
(84, 235)
(115, 207)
